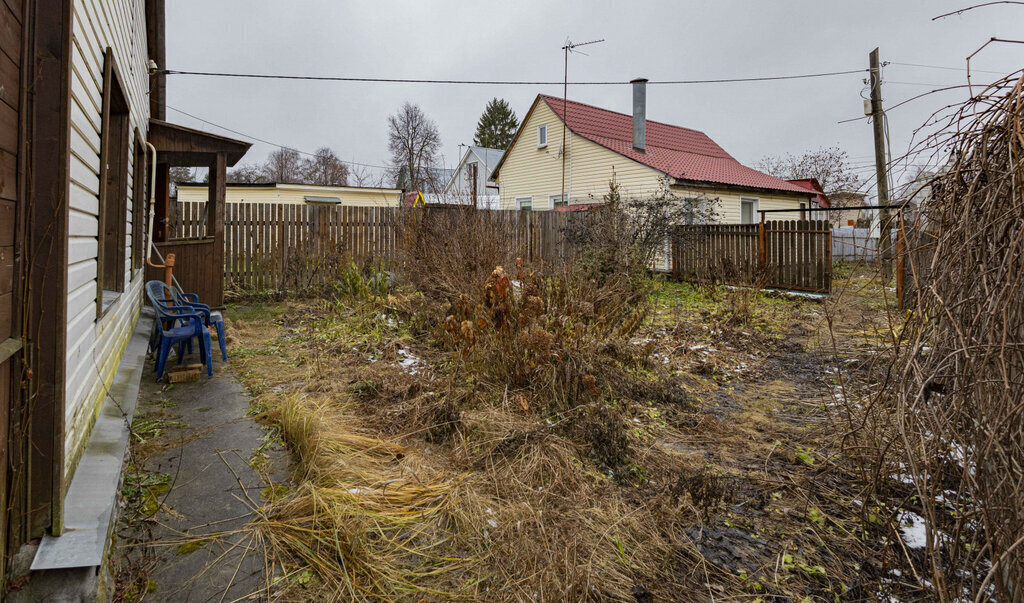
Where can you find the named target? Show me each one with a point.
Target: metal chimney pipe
(639, 113)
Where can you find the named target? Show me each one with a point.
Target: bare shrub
(440, 250)
(625, 236)
(949, 415)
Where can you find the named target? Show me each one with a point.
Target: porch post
(215, 215)
(162, 211)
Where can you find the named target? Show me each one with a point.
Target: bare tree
(830, 166)
(364, 176)
(283, 165)
(324, 168)
(249, 173)
(181, 174)
(413, 141)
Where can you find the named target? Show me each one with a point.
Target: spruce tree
(497, 125)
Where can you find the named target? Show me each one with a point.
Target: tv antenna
(570, 46)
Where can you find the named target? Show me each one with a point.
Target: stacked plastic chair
(176, 325)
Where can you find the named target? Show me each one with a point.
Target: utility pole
(569, 46)
(881, 167)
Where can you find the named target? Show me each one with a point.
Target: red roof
(680, 153)
(812, 185)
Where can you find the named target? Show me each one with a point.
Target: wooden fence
(188, 220)
(781, 254)
(272, 246)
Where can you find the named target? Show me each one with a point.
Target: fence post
(900, 259)
(761, 251)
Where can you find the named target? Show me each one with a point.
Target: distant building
(818, 200)
(295, 194)
(471, 182)
(858, 218)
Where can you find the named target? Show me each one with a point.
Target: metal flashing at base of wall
(90, 504)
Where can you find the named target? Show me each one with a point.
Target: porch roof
(181, 146)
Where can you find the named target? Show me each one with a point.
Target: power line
(271, 143)
(380, 80)
(930, 85)
(945, 68)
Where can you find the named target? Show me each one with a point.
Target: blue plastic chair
(176, 325)
(212, 318)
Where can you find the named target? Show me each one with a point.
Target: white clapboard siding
(532, 171)
(94, 347)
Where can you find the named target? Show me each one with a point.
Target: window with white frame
(693, 205)
(525, 203)
(542, 136)
(556, 201)
(748, 210)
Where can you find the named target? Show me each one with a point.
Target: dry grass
(500, 474)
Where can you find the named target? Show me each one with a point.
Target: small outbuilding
(295, 194)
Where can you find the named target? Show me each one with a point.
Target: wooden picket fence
(780, 254)
(188, 221)
(277, 247)
(273, 246)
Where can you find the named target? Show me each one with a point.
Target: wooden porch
(198, 261)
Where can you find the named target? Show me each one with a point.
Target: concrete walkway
(203, 482)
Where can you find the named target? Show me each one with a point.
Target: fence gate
(795, 255)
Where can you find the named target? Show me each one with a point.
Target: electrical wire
(271, 143)
(381, 80)
(964, 69)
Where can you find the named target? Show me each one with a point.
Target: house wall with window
(729, 206)
(535, 171)
(532, 173)
(110, 113)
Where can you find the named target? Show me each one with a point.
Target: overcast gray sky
(522, 40)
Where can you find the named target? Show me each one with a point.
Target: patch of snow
(387, 319)
(409, 362)
(912, 530)
(903, 476)
(961, 456)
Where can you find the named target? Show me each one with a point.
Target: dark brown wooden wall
(195, 268)
(10, 212)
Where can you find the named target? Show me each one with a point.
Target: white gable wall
(461, 183)
(532, 171)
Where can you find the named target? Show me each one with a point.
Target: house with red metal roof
(819, 197)
(566, 152)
